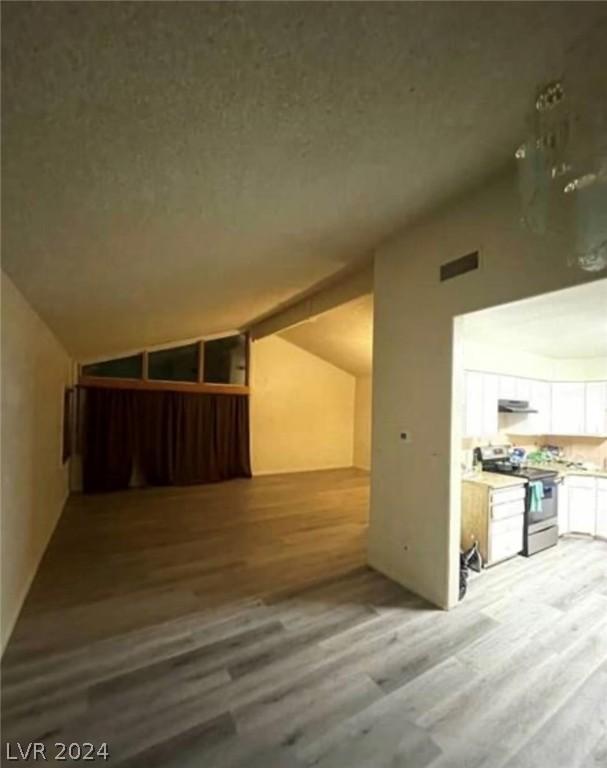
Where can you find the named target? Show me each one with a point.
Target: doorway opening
(529, 451)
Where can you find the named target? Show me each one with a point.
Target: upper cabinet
(563, 408)
(596, 408)
(480, 408)
(508, 389)
(541, 400)
(568, 408)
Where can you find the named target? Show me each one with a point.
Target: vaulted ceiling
(342, 336)
(177, 169)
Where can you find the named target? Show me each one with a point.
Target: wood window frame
(153, 385)
(147, 384)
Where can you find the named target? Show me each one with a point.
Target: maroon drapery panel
(181, 438)
(109, 439)
(232, 436)
(155, 443)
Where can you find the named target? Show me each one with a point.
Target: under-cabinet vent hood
(514, 406)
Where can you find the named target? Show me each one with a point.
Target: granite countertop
(565, 471)
(493, 480)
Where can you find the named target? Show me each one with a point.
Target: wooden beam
(336, 290)
(162, 386)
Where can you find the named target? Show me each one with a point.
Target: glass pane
(120, 368)
(175, 364)
(225, 360)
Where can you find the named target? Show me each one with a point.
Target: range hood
(514, 406)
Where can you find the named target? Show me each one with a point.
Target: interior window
(175, 364)
(120, 368)
(225, 360)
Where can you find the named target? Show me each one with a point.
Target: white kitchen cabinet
(568, 408)
(522, 423)
(490, 397)
(540, 422)
(601, 508)
(507, 389)
(596, 408)
(480, 410)
(582, 504)
(523, 389)
(563, 408)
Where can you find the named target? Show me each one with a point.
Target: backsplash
(592, 449)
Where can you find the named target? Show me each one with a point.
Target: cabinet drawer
(579, 481)
(513, 508)
(506, 538)
(500, 527)
(505, 495)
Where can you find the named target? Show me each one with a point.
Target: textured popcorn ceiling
(569, 324)
(343, 336)
(175, 169)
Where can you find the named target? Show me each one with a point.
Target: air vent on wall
(459, 266)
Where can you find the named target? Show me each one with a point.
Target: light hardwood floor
(237, 625)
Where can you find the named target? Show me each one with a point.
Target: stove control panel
(493, 452)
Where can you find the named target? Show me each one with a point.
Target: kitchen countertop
(493, 480)
(565, 471)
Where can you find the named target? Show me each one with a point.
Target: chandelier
(562, 165)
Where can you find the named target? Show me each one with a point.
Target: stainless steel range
(540, 529)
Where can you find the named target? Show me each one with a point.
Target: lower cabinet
(493, 517)
(505, 538)
(582, 510)
(583, 505)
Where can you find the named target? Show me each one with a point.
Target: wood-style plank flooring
(237, 625)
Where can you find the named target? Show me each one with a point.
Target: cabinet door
(601, 510)
(596, 408)
(523, 389)
(473, 426)
(540, 400)
(563, 507)
(490, 397)
(582, 510)
(568, 409)
(507, 388)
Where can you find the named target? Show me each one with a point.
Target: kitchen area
(534, 424)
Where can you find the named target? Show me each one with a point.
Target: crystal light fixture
(563, 162)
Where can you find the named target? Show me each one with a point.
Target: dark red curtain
(155, 437)
(180, 438)
(109, 439)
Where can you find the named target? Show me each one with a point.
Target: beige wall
(35, 370)
(302, 410)
(362, 423)
(418, 372)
